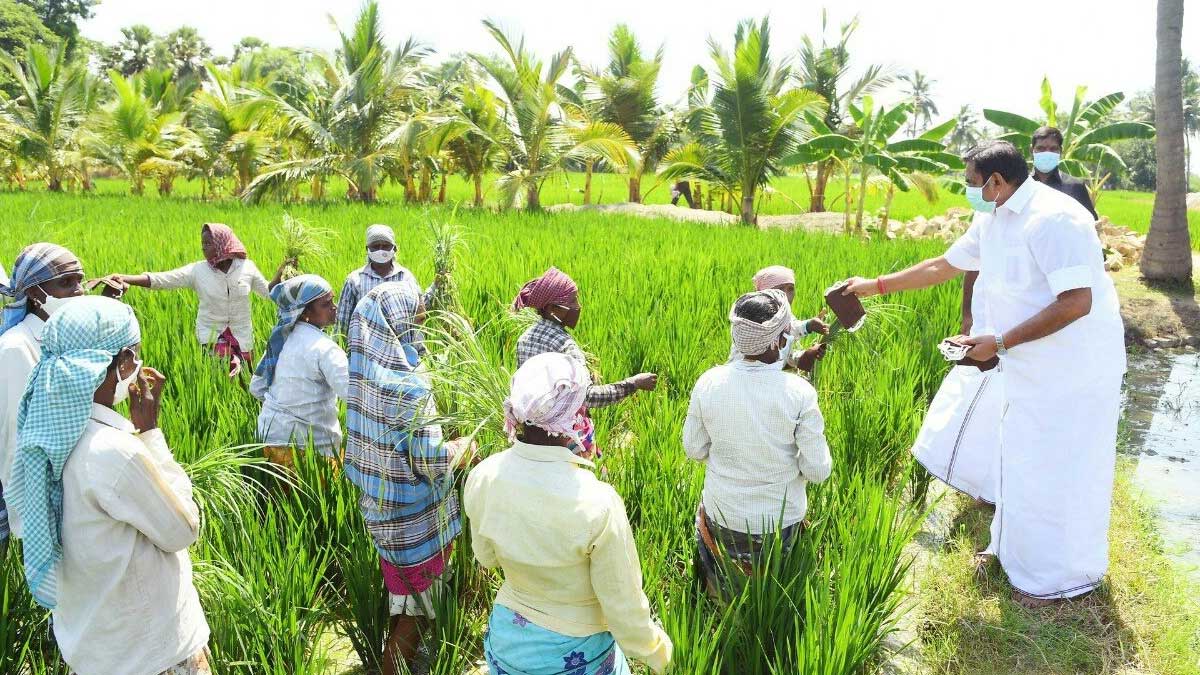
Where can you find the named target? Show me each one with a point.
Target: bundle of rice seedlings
(447, 240)
(300, 241)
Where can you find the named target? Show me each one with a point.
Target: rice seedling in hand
(300, 241)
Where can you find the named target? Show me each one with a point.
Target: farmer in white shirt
(1053, 318)
(223, 282)
(761, 436)
(302, 374)
(784, 279)
(108, 512)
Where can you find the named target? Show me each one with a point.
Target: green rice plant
(288, 574)
(447, 240)
(300, 242)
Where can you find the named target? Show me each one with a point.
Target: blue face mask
(1046, 161)
(976, 200)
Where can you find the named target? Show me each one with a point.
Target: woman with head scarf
(223, 282)
(46, 277)
(108, 513)
(381, 268)
(395, 454)
(761, 437)
(572, 599)
(302, 374)
(555, 298)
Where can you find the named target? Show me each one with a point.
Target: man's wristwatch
(1001, 350)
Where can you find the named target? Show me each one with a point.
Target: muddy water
(1163, 422)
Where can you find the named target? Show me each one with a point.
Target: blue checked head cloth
(37, 264)
(78, 345)
(291, 297)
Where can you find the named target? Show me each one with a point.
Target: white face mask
(381, 257)
(121, 392)
(51, 305)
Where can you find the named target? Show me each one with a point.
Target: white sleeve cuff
(957, 256)
(1070, 278)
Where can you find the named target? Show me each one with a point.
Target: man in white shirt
(761, 436)
(120, 581)
(381, 267)
(1053, 319)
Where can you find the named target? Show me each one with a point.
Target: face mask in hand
(381, 257)
(122, 389)
(975, 198)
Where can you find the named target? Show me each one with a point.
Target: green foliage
(1141, 165)
(1088, 129)
(19, 28)
(282, 574)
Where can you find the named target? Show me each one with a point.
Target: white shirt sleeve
(259, 387)
(1065, 250)
(154, 495)
(258, 283)
(336, 369)
(964, 253)
(812, 450)
(696, 441)
(180, 277)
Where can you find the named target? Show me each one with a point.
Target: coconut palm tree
(134, 53)
(966, 133)
(353, 121)
(624, 93)
(542, 138)
(919, 89)
(749, 120)
(1168, 252)
(824, 69)
(232, 121)
(133, 136)
(42, 122)
(471, 131)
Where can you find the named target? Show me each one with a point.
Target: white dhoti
(960, 436)
(1055, 477)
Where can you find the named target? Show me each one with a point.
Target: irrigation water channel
(1162, 420)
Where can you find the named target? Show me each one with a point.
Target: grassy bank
(1144, 619)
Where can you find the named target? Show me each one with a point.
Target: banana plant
(869, 148)
(1087, 130)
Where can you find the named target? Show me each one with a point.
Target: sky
(978, 53)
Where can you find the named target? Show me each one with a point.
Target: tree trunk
(697, 196)
(587, 182)
(710, 199)
(846, 220)
(887, 208)
(318, 188)
(138, 186)
(426, 193)
(442, 189)
(1168, 253)
(635, 189)
(862, 198)
(410, 189)
(816, 200)
(748, 207)
(533, 200)
(54, 184)
(478, 180)
(165, 185)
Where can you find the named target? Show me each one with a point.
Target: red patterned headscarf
(552, 288)
(226, 245)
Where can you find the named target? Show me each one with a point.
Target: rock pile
(1122, 246)
(947, 227)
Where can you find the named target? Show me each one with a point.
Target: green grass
(1144, 619)
(279, 575)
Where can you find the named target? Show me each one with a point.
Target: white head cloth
(752, 338)
(547, 392)
(773, 277)
(380, 233)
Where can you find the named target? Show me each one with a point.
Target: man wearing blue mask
(1050, 313)
(1047, 153)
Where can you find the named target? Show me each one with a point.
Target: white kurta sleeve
(259, 387)
(180, 277)
(964, 253)
(812, 450)
(1065, 250)
(154, 495)
(336, 370)
(258, 283)
(696, 441)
